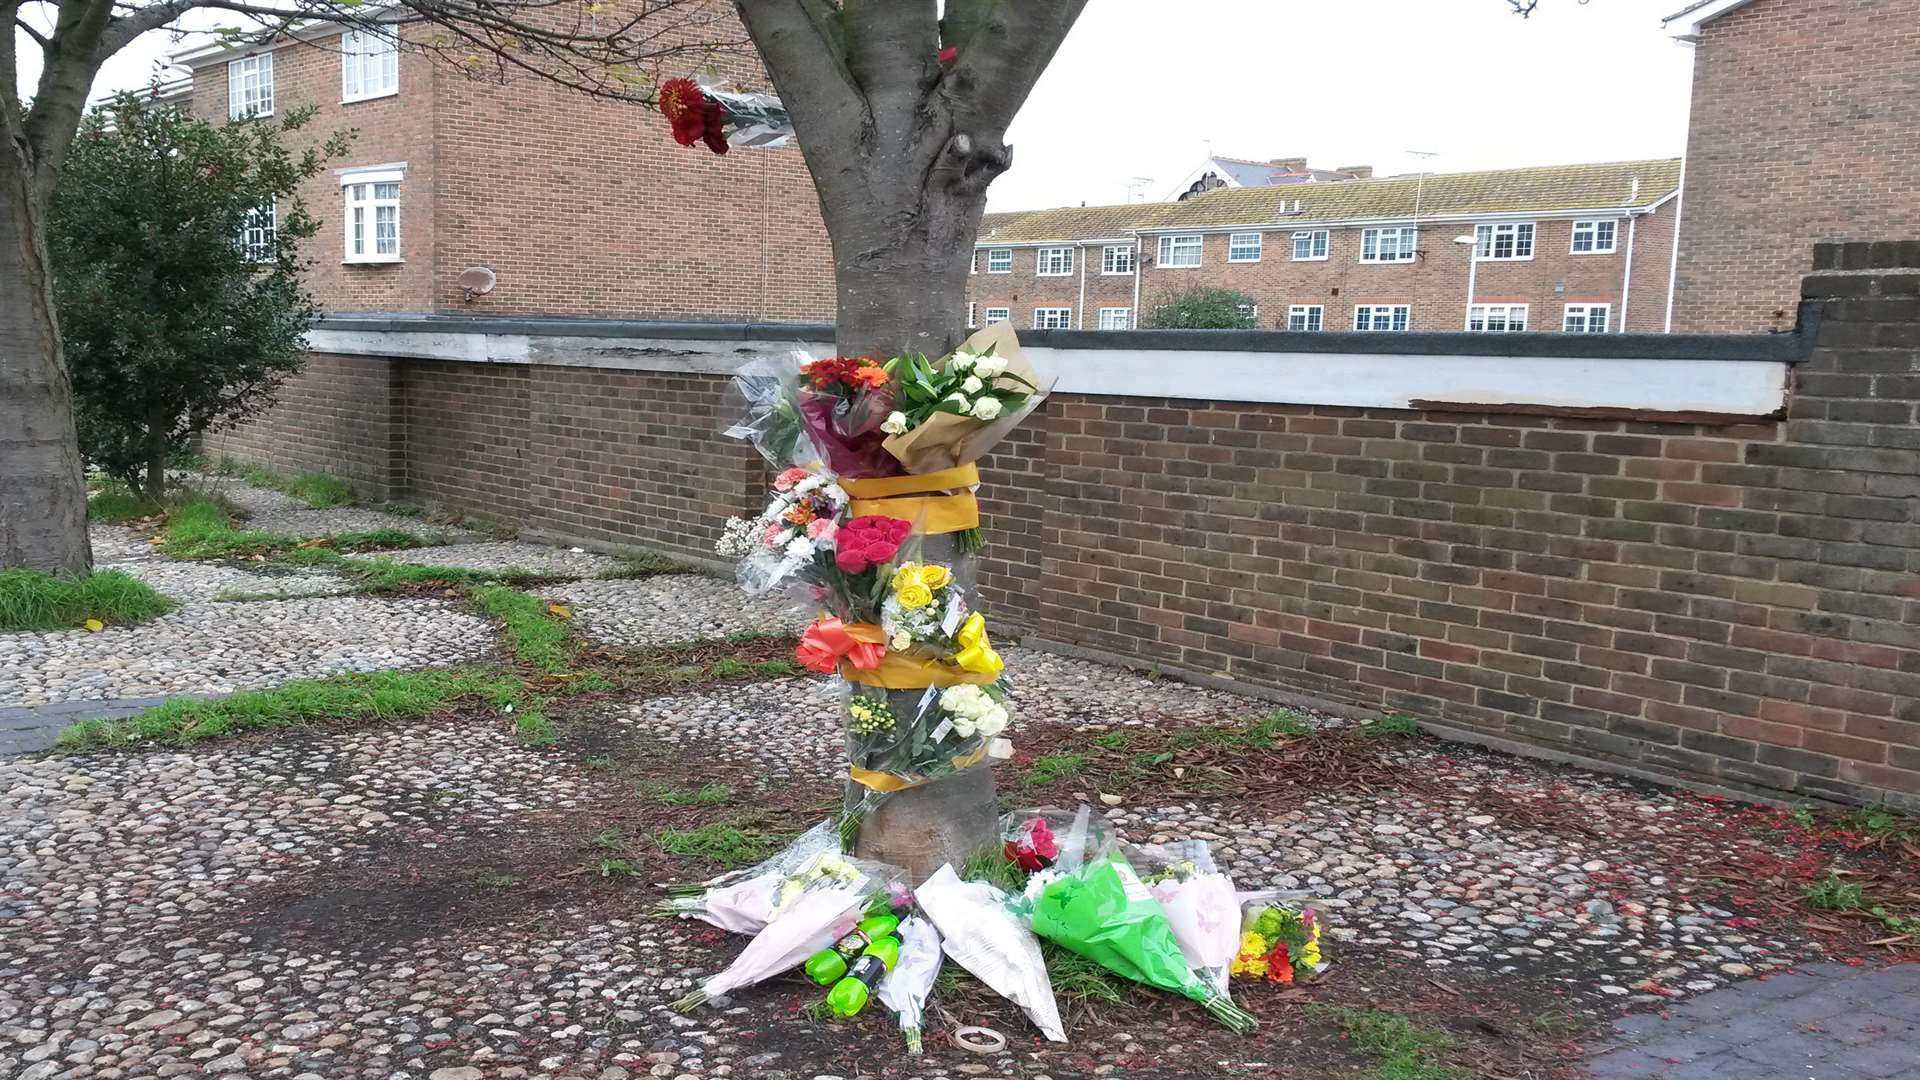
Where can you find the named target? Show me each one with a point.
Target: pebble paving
(672, 607)
(506, 555)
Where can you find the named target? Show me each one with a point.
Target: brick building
(580, 206)
(1582, 248)
(1836, 157)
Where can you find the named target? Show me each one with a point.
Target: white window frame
(1116, 318)
(1179, 245)
(1518, 235)
(970, 323)
(359, 190)
(999, 314)
(1592, 228)
(259, 230)
(1058, 318)
(258, 68)
(1117, 260)
(1319, 243)
(1053, 262)
(1586, 315)
(1248, 311)
(1497, 318)
(1398, 318)
(1237, 242)
(995, 256)
(1306, 318)
(373, 58)
(1406, 244)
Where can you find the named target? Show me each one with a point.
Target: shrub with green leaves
(1201, 308)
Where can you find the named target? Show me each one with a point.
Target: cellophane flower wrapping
(844, 402)
(1200, 902)
(814, 906)
(980, 934)
(768, 389)
(907, 987)
(1282, 935)
(753, 119)
(1104, 912)
(742, 901)
(1047, 837)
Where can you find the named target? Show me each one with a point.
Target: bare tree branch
(805, 53)
(1524, 8)
(26, 28)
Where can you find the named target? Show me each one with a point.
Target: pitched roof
(1517, 191)
(1249, 173)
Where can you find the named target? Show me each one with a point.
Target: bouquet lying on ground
(1103, 911)
(909, 985)
(1279, 937)
(814, 906)
(980, 934)
(742, 901)
(1200, 903)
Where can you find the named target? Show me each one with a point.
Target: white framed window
(250, 86)
(998, 314)
(1305, 318)
(999, 260)
(1054, 262)
(1243, 247)
(1586, 318)
(1116, 318)
(1380, 317)
(970, 323)
(1053, 318)
(1508, 240)
(1389, 244)
(1248, 311)
(1179, 251)
(1116, 259)
(1595, 237)
(372, 199)
(258, 229)
(1497, 318)
(1310, 245)
(369, 65)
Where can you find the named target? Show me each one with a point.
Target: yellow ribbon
(886, 487)
(976, 652)
(891, 782)
(898, 671)
(910, 498)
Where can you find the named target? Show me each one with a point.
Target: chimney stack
(1291, 164)
(1358, 172)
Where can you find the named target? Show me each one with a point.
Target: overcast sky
(1147, 88)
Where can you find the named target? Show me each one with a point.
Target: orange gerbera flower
(799, 515)
(870, 374)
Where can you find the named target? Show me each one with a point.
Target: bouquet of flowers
(1104, 912)
(843, 402)
(814, 906)
(723, 118)
(1279, 939)
(907, 987)
(1200, 904)
(981, 935)
(952, 412)
(790, 535)
(743, 900)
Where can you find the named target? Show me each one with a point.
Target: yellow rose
(913, 595)
(935, 577)
(905, 574)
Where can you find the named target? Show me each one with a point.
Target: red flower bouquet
(843, 401)
(868, 541)
(694, 116)
(1033, 846)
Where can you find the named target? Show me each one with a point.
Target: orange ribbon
(829, 639)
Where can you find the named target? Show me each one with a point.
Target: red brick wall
(467, 432)
(341, 415)
(1802, 129)
(1732, 603)
(1434, 286)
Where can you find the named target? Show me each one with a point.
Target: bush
(1202, 309)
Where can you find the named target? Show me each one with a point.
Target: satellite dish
(476, 281)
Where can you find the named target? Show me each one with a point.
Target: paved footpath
(1819, 1022)
(26, 729)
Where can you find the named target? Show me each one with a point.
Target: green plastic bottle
(829, 965)
(851, 994)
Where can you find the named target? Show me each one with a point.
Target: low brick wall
(1736, 603)
(341, 416)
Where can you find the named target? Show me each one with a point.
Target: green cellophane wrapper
(1104, 912)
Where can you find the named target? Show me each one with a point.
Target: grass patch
(990, 864)
(1391, 726)
(634, 563)
(531, 724)
(117, 506)
(201, 528)
(533, 631)
(720, 842)
(1081, 981)
(1398, 1048)
(32, 600)
(384, 539)
(704, 795)
(1262, 734)
(318, 490)
(1052, 768)
(386, 694)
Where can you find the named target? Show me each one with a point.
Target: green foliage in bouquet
(958, 387)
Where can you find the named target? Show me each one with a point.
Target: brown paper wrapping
(946, 440)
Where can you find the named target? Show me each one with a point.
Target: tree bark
(43, 495)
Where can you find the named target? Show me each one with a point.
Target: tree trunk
(43, 495)
(159, 452)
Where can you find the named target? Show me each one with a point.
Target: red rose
(867, 541)
(715, 135)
